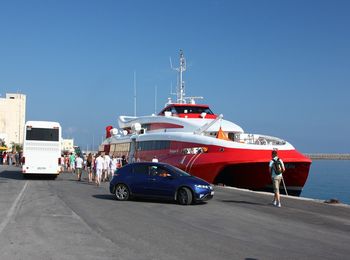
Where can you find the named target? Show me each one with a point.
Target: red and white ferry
(191, 137)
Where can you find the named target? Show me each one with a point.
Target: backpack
(277, 166)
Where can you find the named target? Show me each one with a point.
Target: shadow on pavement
(104, 197)
(40, 177)
(142, 200)
(15, 175)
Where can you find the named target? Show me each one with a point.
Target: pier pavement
(67, 219)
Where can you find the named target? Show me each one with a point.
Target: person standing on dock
(276, 169)
(99, 168)
(113, 166)
(106, 167)
(79, 167)
(72, 162)
(89, 166)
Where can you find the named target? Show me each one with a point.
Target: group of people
(10, 158)
(99, 167)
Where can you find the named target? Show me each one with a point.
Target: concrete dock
(328, 156)
(67, 219)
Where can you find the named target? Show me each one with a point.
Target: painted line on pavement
(11, 212)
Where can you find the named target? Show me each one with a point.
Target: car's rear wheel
(122, 192)
(184, 196)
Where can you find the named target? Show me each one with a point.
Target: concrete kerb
(285, 196)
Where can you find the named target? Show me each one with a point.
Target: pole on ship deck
(135, 93)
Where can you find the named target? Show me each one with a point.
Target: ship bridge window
(172, 110)
(193, 110)
(187, 110)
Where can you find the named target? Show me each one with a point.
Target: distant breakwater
(328, 156)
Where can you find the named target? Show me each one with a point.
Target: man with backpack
(276, 169)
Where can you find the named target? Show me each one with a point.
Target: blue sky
(279, 68)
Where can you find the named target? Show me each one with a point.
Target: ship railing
(257, 139)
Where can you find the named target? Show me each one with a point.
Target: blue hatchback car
(159, 180)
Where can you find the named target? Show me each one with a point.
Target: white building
(12, 118)
(68, 145)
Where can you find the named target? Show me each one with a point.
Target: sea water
(328, 179)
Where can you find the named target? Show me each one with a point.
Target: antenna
(181, 84)
(155, 99)
(171, 64)
(180, 89)
(135, 93)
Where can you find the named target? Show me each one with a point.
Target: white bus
(42, 148)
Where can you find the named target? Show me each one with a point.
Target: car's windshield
(178, 171)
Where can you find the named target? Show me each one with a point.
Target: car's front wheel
(122, 192)
(184, 196)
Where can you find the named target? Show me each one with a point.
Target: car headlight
(199, 186)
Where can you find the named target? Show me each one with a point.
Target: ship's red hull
(242, 168)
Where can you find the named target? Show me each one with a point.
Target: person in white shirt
(99, 168)
(107, 167)
(79, 162)
(114, 163)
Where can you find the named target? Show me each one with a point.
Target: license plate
(212, 193)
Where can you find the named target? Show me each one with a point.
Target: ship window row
(153, 145)
(124, 147)
(146, 126)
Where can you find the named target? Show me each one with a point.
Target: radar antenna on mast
(180, 89)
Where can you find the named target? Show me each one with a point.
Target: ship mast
(182, 68)
(180, 89)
